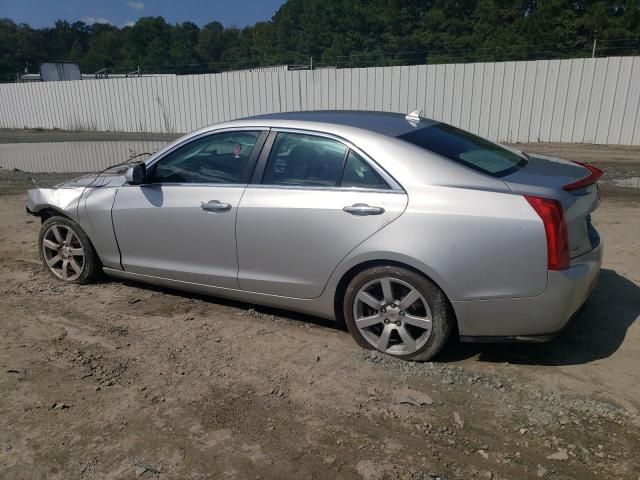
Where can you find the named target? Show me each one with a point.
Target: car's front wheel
(397, 311)
(66, 251)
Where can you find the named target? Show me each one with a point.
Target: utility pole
(593, 52)
(311, 64)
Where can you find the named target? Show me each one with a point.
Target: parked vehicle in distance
(408, 229)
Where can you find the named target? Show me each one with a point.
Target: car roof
(385, 123)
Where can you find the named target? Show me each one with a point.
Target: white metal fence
(575, 100)
(82, 156)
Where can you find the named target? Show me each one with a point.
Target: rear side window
(467, 149)
(304, 160)
(358, 173)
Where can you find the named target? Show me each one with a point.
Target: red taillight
(592, 178)
(555, 227)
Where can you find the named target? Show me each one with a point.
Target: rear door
(313, 199)
(181, 225)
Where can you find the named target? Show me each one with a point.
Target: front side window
(217, 158)
(466, 148)
(304, 160)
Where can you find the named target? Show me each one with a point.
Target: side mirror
(136, 175)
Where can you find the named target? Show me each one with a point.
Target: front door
(317, 200)
(181, 225)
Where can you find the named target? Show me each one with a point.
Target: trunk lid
(546, 177)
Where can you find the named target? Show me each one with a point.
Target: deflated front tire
(66, 251)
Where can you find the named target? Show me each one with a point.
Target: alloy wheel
(392, 316)
(63, 253)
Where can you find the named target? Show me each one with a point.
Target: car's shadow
(595, 333)
(250, 309)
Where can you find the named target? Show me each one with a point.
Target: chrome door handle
(215, 206)
(362, 209)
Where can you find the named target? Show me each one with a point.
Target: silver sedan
(408, 230)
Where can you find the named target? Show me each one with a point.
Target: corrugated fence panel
(354, 95)
(632, 105)
(485, 106)
(620, 101)
(466, 93)
(548, 100)
(573, 92)
(608, 96)
(559, 105)
(574, 100)
(378, 88)
(526, 111)
(586, 84)
(595, 99)
(347, 78)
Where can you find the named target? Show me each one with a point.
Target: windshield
(467, 149)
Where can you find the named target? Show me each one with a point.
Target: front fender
(89, 208)
(63, 200)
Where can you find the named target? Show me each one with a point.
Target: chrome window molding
(331, 189)
(220, 185)
(266, 187)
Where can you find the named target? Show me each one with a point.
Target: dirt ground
(121, 380)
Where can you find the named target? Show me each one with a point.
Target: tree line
(336, 33)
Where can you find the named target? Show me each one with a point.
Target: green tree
(184, 42)
(147, 44)
(337, 32)
(106, 50)
(76, 54)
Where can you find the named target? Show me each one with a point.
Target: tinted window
(466, 148)
(307, 160)
(220, 158)
(358, 173)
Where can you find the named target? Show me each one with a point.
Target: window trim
(259, 171)
(263, 133)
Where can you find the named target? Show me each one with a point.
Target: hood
(112, 177)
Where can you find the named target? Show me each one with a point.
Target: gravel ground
(121, 380)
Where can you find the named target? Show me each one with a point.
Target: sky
(43, 13)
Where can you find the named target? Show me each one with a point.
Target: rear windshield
(467, 149)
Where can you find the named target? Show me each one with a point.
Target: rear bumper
(538, 318)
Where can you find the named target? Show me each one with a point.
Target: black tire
(442, 316)
(90, 268)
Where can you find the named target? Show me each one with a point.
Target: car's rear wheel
(397, 311)
(66, 251)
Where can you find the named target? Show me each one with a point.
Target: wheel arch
(49, 211)
(347, 276)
